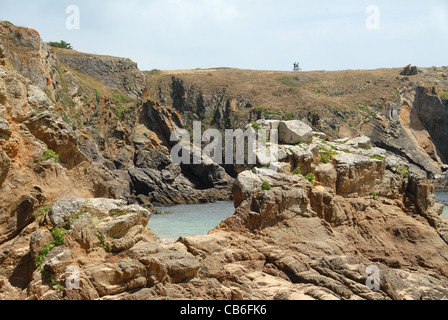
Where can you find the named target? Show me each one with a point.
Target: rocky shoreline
(83, 158)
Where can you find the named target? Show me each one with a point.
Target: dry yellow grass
(290, 91)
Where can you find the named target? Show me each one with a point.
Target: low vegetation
(42, 211)
(49, 154)
(121, 101)
(118, 213)
(61, 44)
(310, 177)
(266, 186)
(58, 240)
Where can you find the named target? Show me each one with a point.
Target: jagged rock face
(432, 113)
(28, 180)
(295, 241)
(26, 52)
(216, 108)
(114, 72)
(310, 236)
(399, 121)
(5, 164)
(416, 130)
(106, 132)
(298, 240)
(105, 241)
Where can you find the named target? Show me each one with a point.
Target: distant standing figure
(296, 66)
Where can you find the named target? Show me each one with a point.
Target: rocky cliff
(109, 119)
(309, 235)
(84, 150)
(404, 114)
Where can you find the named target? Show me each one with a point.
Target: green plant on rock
(58, 235)
(102, 243)
(289, 116)
(121, 111)
(255, 125)
(266, 186)
(120, 98)
(405, 172)
(49, 154)
(58, 240)
(43, 254)
(374, 194)
(55, 283)
(118, 213)
(310, 177)
(297, 171)
(42, 211)
(324, 157)
(327, 153)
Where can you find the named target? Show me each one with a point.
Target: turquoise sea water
(442, 197)
(189, 220)
(199, 219)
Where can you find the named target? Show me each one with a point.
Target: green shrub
(328, 153)
(43, 254)
(255, 125)
(444, 95)
(97, 94)
(369, 147)
(58, 235)
(405, 172)
(297, 171)
(61, 44)
(102, 243)
(54, 283)
(42, 211)
(266, 111)
(310, 177)
(373, 194)
(120, 99)
(324, 157)
(48, 155)
(120, 111)
(58, 240)
(266, 186)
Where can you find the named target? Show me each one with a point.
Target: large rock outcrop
(70, 175)
(310, 236)
(96, 109)
(118, 73)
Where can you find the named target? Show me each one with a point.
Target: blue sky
(248, 34)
